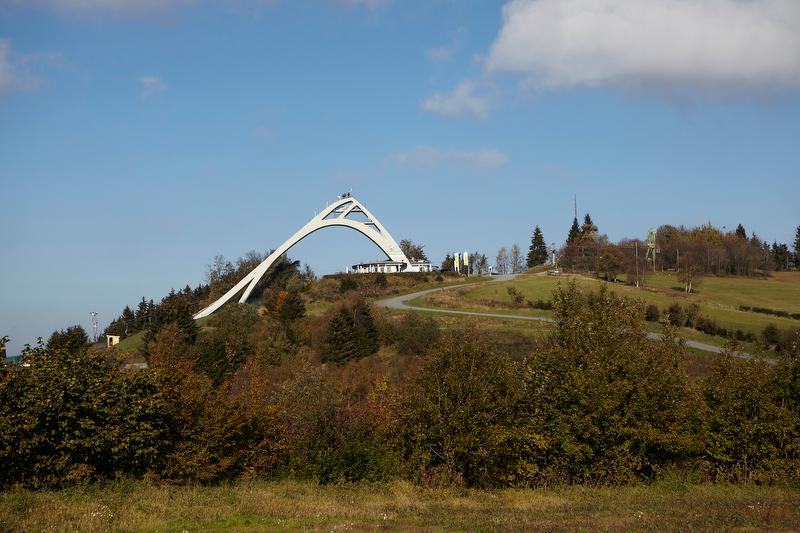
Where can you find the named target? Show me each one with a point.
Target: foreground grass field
(399, 506)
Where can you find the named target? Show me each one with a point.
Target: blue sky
(140, 139)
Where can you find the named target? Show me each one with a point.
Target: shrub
(540, 304)
(609, 404)
(768, 311)
(707, 325)
(790, 343)
(457, 422)
(516, 297)
(692, 312)
(416, 333)
(770, 335)
(652, 313)
(439, 278)
(336, 434)
(215, 433)
(676, 315)
(380, 280)
(69, 418)
(346, 284)
(751, 413)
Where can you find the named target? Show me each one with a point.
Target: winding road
(402, 303)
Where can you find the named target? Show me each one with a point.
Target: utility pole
(636, 260)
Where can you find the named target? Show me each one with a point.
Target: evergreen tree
(588, 229)
(71, 340)
(574, 232)
(365, 331)
(797, 247)
(740, 232)
(340, 344)
(448, 263)
(173, 308)
(537, 253)
(351, 333)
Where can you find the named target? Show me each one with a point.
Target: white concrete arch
(336, 214)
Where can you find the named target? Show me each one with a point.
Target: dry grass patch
(399, 506)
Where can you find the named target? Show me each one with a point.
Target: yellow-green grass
(718, 298)
(781, 291)
(400, 506)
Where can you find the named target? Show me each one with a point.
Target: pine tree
(797, 247)
(365, 331)
(537, 253)
(574, 232)
(588, 229)
(447, 264)
(340, 343)
(740, 232)
(351, 333)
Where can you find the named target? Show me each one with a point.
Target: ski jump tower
(347, 212)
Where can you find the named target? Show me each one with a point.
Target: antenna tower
(93, 314)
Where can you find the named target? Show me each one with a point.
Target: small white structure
(112, 340)
(391, 267)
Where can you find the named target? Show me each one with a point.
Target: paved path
(402, 302)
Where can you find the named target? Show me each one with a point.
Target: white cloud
(737, 44)
(428, 156)
(152, 85)
(12, 77)
(439, 53)
(465, 99)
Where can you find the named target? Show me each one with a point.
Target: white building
(391, 267)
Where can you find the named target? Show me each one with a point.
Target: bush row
(768, 311)
(689, 317)
(594, 402)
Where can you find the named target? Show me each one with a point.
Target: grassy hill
(717, 298)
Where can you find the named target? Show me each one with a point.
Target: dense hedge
(768, 311)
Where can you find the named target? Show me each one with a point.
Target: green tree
(459, 414)
(612, 261)
(740, 232)
(3, 341)
(588, 229)
(604, 403)
(537, 253)
(752, 424)
(351, 332)
(72, 339)
(173, 308)
(797, 247)
(448, 263)
(69, 418)
(339, 345)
